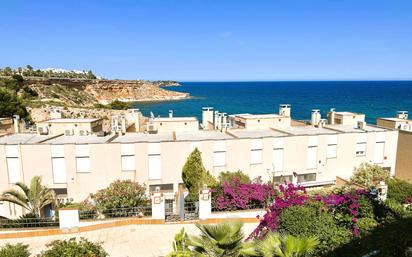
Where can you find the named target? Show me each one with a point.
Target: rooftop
(258, 133)
(306, 130)
(92, 139)
(144, 137)
(166, 119)
(15, 139)
(395, 119)
(257, 116)
(202, 135)
(85, 120)
(351, 128)
(348, 113)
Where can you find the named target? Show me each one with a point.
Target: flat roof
(395, 119)
(85, 120)
(144, 137)
(91, 139)
(348, 113)
(306, 130)
(15, 139)
(354, 128)
(258, 116)
(256, 133)
(202, 135)
(166, 119)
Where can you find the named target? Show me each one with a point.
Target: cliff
(87, 92)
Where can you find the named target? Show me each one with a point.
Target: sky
(219, 40)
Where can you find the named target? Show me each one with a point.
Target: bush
(195, 176)
(369, 175)
(312, 219)
(74, 248)
(11, 104)
(399, 190)
(229, 176)
(17, 250)
(121, 198)
(234, 195)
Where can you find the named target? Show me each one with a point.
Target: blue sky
(212, 40)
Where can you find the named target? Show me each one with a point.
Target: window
(13, 163)
(256, 151)
(162, 187)
(361, 145)
(82, 159)
(307, 177)
(219, 154)
(379, 152)
(331, 150)
(283, 179)
(128, 157)
(58, 164)
(312, 152)
(155, 165)
(278, 159)
(2, 210)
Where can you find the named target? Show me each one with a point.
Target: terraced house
(270, 146)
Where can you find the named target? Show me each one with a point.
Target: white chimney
(123, 123)
(284, 110)
(315, 117)
(215, 119)
(207, 117)
(402, 115)
(16, 122)
(170, 113)
(331, 116)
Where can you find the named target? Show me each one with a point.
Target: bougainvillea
(233, 195)
(292, 195)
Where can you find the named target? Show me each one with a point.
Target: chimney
(207, 117)
(123, 123)
(315, 117)
(402, 115)
(215, 119)
(16, 122)
(331, 116)
(284, 110)
(170, 113)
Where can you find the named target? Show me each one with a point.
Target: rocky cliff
(86, 92)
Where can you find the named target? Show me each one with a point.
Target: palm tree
(220, 240)
(275, 244)
(33, 198)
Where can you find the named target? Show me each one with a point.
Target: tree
(282, 245)
(32, 198)
(121, 198)
(369, 175)
(221, 240)
(194, 174)
(11, 104)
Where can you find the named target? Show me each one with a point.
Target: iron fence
(29, 223)
(139, 211)
(174, 213)
(232, 207)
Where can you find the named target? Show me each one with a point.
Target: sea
(373, 98)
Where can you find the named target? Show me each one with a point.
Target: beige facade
(404, 156)
(345, 118)
(70, 126)
(80, 165)
(170, 124)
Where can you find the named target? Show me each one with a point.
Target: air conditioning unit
(151, 128)
(82, 133)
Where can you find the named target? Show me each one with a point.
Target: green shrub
(369, 175)
(74, 248)
(312, 219)
(399, 190)
(195, 176)
(228, 177)
(16, 250)
(121, 198)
